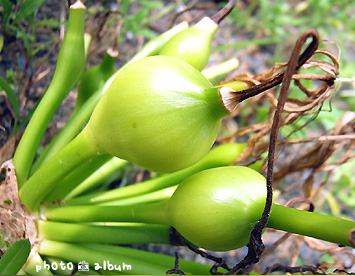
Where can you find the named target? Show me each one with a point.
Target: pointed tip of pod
(228, 98)
(112, 52)
(78, 5)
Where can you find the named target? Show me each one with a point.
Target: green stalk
(87, 42)
(45, 179)
(156, 196)
(93, 79)
(107, 173)
(70, 66)
(73, 126)
(236, 85)
(217, 72)
(301, 222)
(33, 263)
(76, 177)
(221, 155)
(154, 258)
(76, 253)
(122, 233)
(82, 115)
(310, 224)
(154, 213)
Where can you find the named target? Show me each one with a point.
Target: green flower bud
(160, 113)
(193, 45)
(218, 208)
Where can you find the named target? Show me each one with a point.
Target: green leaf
(140, 16)
(51, 23)
(12, 97)
(15, 257)
(42, 46)
(27, 39)
(124, 6)
(145, 33)
(151, 4)
(27, 8)
(6, 6)
(1, 42)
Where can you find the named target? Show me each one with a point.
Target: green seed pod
(160, 113)
(81, 115)
(193, 45)
(218, 208)
(215, 209)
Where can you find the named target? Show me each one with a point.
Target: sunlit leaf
(27, 8)
(15, 257)
(6, 9)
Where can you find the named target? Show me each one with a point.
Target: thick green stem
(119, 233)
(301, 222)
(95, 258)
(70, 65)
(310, 224)
(154, 258)
(236, 85)
(87, 42)
(104, 175)
(221, 155)
(94, 78)
(144, 198)
(33, 265)
(72, 128)
(44, 180)
(146, 213)
(76, 177)
(217, 72)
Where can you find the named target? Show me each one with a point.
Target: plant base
(15, 221)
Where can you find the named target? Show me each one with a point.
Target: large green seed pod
(193, 45)
(218, 208)
(160, 113)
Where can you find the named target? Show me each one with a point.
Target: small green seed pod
(160, 113)
(193, 45)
